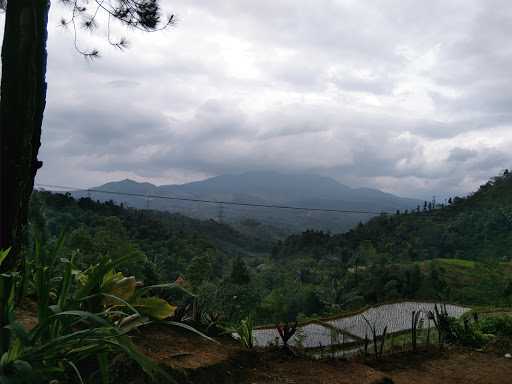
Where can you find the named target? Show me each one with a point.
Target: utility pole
(147, 201)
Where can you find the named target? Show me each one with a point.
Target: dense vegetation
(204, 254)
(459, 253)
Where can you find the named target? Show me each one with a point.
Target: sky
(410, 97)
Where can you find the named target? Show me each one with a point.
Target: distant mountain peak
(130, 181)
(128, 185)
(269, 188)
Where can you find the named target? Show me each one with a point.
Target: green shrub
(468, 334)
(497, 325)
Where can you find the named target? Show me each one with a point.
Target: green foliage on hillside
(169, 241)
(478, 227)
(460, 253)
(208, 255)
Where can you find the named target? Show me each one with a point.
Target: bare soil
(177, 348)
(192, 359)
(453, 366)
(227, 362)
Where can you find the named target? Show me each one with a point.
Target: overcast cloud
(412, 97)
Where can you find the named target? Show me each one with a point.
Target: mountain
(267, 188)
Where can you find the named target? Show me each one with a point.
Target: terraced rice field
(351, 330)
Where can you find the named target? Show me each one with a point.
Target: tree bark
(23, 99)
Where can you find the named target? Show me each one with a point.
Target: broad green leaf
(124, 302)
(129, 323)
(155, 307)
(84, 315)
(3, 254)
(123, 288)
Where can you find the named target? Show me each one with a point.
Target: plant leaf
(189, 328)
(155, 307)
(123, 288)
(3, 255)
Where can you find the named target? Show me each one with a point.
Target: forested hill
(477, 227)
(418, 255)
(170, 241)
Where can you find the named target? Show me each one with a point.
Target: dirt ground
(276, 369)
(455, 366)
(177, 348)
(203, 362)
(180, 349)
(451, 367)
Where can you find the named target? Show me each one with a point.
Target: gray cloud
(122, 84)
(461, 154)
(410, 97)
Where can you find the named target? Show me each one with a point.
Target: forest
(459, 252)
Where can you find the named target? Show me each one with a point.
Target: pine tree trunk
(23, 99)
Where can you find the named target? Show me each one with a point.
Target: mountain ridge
(269, 188)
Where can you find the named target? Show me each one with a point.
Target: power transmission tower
(147, 201)
(220, 213)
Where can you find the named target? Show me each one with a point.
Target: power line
(254, 205)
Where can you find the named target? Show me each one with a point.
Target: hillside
(458, 253)
(170, 242)
(478, 227)
(267, 188)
